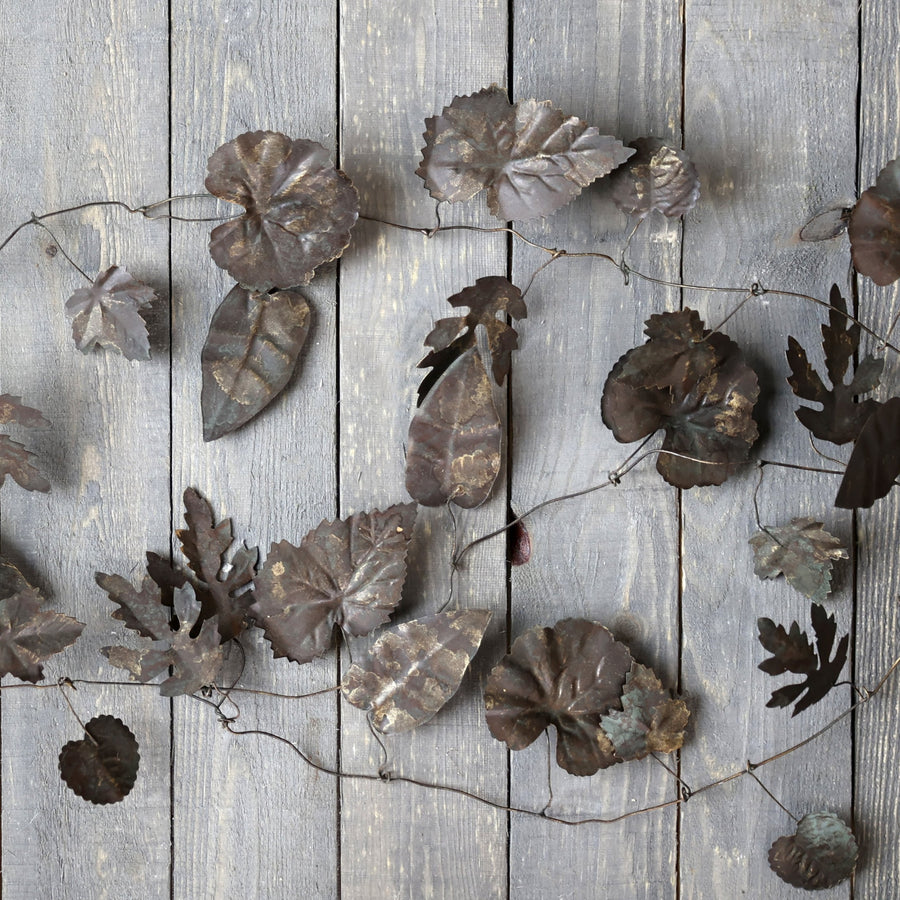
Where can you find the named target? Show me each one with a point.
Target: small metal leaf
(874, 228)
(874, 463)
(826, 224)
(820, 854)
(15, 459)
(102, 767)
(658, 177)
(519, 545)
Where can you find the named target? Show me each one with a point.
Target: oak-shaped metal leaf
(453, 451)
(107, 314)
(841, 419)
(874, 228)
(658, 177)
(28, 634)
(820, 854)
(532, 158)
(569, 676)
(347, 573)
(694, 384)
(299, 209)
(792, 652)
(102, 767)
(451, 337)
(251, 350)
(650, 721)
(803, 552)
(15, 459)
(874, 464)
(414, 669)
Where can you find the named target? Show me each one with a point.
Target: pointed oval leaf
(874, 228)
(659, 177)
(820, 854)
(875, 461)
(103, 766)
(826, 224)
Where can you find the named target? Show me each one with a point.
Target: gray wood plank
(83, 107)
(401, 62)
(612, 556)
(773, 145)
(250, 818)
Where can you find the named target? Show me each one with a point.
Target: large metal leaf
(658, 177)
(252, 347)
(414, 669)
(103, 766)
(820, 854)
(532, 158)
(299, 209)
(453, 452)
(874, 464)
(347, 573)
(15, 459)
(874, 228)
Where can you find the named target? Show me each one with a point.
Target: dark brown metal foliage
(874, 228)
(453, 451)
(347, 573)
(103, 766)
(658, 177)
(299, 209)
(841, 418)
(107, 314)
(792, 652)
(826, 224)
(695, 385)
(568, 676)
(820, 854)
(519, 545)
(532, 158)
(803, 552)
(28, 634)
(451, 337)
(15, 460)
(415, 668)
(874, 464)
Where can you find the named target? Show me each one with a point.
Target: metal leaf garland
(874, 464)
(820, 854)
(102, 767)
(347, 573)
(299, 209)
(415, 668)
(532, 158)
(874, 228)
(658, 177)
(15, 459)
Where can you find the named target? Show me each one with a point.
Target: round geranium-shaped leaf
(695, 385)
(299, 209)
(659, 177)
(103, 766)
(820, 854)
(568, 676)
(874, 228)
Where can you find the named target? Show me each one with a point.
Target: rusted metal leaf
(532, 158)
(658, 177)
(874, 228)
(827, 224)
(453, 452)
(803, 552)
(13, 412)
(820, 854)
(415, 668)
(299, 209)
(15, 459)
(252, 347)
(519, 546)
(841, 418)
(874, 464)
(102, 767)
(141, 610)
(28, 634)
(568, 676)
(107, 314)
(347, 573)
(451, 337)
(694, 384)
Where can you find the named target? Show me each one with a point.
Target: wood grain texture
(250, 818)
(401, 62)
(769, 97)
(611, 556)
(81, 90)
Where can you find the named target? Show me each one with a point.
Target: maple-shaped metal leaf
(841, 418)
(102, 767)
(15, 459)
(415, 668)
(453, 451)
(658, 177)
(650, 721)
(874, 228)
(28, 634)
(694, 384)
(569, 676)
(251, 350)
(803, 552)
(874, 464)
(299, 209)
(792, 652)
(107, 314)
(532, 158)
(347, 573)
(820, 854)
(451, 337)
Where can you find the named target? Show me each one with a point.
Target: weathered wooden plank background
(785, 107)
